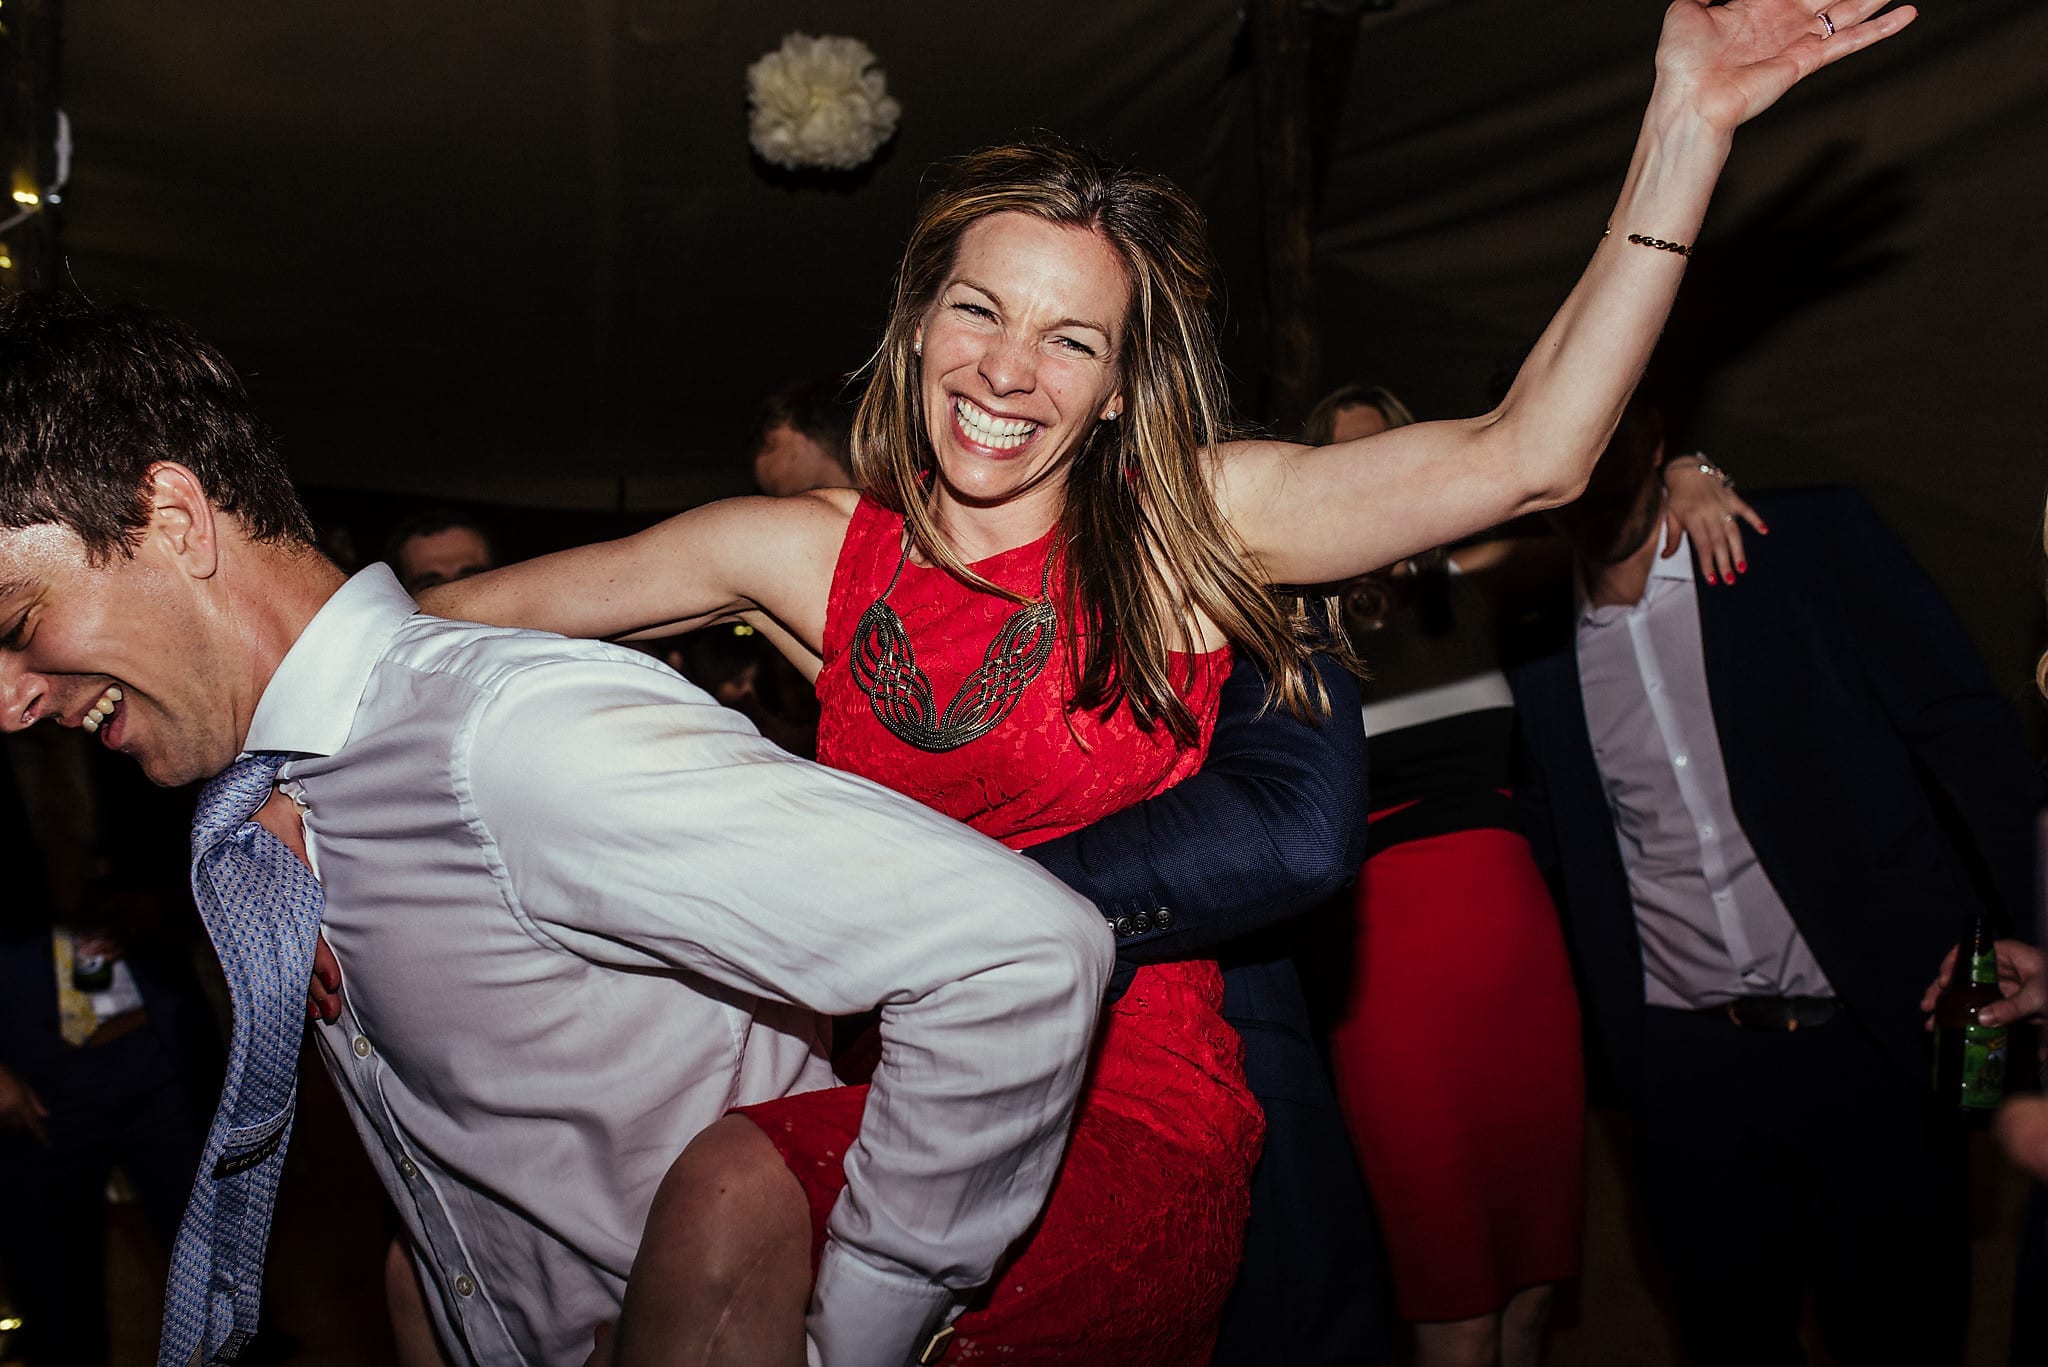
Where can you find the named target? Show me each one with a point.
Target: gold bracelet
(1706, 467)
(1658, 243)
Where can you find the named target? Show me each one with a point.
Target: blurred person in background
(1478, 1230)
(803, 439)
(1766, 812)
(109, 1053)
(439, 546)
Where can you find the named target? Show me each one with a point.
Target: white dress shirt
(582, 910)
(1712, 927)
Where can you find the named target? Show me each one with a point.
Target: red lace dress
(1143, 1233)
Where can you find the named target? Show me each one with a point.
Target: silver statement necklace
(886, 669)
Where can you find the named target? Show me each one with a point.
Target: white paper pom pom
(819, 103)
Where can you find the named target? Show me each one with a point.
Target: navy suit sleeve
(1929, 680)
(1271, 824)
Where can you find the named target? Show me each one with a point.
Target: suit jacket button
(1162, 919)
(1123, 927)
(1141, 923)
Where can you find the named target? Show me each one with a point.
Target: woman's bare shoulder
(813, 521)
(841, 501)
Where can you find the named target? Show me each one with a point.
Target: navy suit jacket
(1272, 824)
(1879, 776)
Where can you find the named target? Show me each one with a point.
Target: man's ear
(181, 519)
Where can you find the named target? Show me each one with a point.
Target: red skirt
(1142, 1236)
(1456, 1060)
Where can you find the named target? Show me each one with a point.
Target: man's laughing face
(120, 649)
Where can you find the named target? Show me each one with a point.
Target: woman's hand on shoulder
(1700, 501)
(710, 564)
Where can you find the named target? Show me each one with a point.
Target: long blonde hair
(1146, 546)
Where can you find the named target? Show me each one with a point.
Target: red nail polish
(1762, 528)
(1742, 567)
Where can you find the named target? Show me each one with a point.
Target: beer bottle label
(1984, 966)
(1983, 1066)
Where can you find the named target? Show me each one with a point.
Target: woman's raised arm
(715, 563)
(1312, 515)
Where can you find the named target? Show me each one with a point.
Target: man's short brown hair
(92, 397)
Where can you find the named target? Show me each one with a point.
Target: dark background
(520, 253)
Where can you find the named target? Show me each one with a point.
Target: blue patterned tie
(262, 911)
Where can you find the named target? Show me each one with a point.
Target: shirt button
(464, 1286)
(406, 1168)
(361, 1046)
(1678, 760)
(1706, 832)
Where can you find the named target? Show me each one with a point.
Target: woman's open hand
(1731, 62)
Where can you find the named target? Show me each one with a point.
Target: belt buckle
(1778, 1014)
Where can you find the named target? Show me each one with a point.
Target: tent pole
(1280, 71)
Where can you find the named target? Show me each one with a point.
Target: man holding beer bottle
(1769, 808)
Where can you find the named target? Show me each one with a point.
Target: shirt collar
(1675, 568)
(310, 702)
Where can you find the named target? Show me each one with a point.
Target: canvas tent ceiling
(521, 252)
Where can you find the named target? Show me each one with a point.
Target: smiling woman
(1068, 376)
(1045, 451)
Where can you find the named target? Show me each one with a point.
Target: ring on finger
(1827, 26)
(1727, 517)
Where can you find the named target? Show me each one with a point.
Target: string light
(6, 261)
(28, 197)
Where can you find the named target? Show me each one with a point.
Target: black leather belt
(1776, 1013)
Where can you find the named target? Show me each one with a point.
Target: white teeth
(101, 709)
(990, 430)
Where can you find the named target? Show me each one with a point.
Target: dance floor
(326, 1294)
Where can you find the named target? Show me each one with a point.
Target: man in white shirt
(1769, 807)
(581, 909)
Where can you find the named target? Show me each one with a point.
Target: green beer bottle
(1969, 1059)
